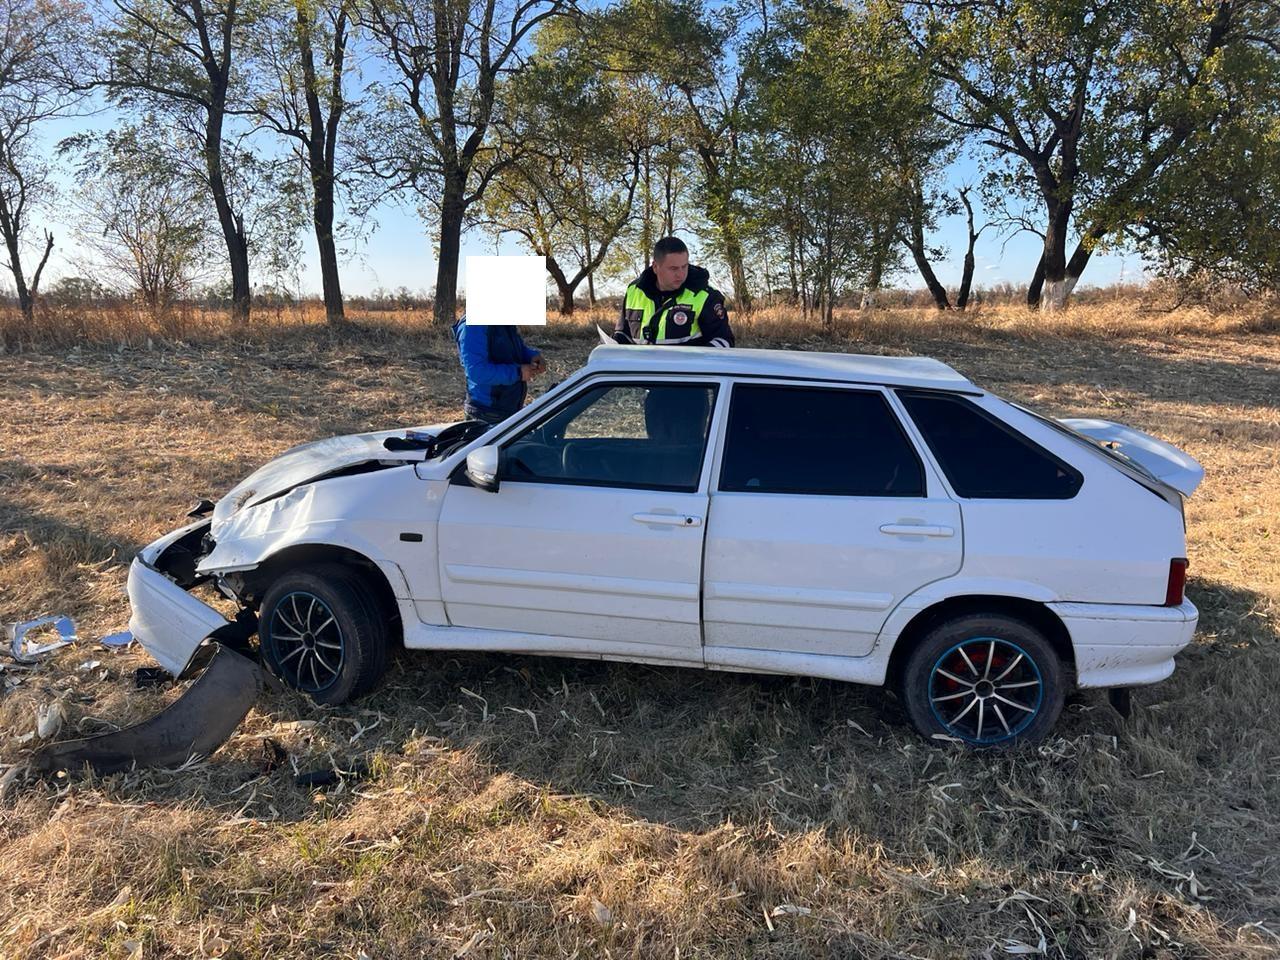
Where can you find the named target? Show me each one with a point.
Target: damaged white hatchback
(868, 519)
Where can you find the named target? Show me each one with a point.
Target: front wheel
(987, 680)
(322, 632)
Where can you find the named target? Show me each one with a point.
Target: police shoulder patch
(718, 309)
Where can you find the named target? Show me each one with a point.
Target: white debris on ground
(25, 650)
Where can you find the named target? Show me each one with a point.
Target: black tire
(342, 638)
(989, 680)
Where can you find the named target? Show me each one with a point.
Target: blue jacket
(491, 358)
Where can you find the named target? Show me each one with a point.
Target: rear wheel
(322, 632)
(988, 680)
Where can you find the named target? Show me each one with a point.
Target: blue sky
(399, 253)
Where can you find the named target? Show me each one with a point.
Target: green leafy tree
(1085, 105)
(697, 56)
(1213, 220)
(816, 156)
(845, 154)
(439, 132)
(301, 63)
(177, 60)
(572, 194)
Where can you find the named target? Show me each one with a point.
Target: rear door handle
(670, 519)
(916, 530)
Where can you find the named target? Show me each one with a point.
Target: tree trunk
(1036, 285)
(1057, 286)
(19, 280)
(718, 206)
(914, 241)
(966, 281)
(591, 281)
(232, 224)
(966, 276)
(451, 213)
(938, 291)
(875, 278)
(646, 219)
(1056, 293)
(737, 273)
(321, 154)
(563, 286)
(330, 282)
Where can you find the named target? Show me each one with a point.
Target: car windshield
(1096, 444)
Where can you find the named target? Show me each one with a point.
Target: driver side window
(641, 435)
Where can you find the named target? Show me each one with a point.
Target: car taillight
(1177, 581)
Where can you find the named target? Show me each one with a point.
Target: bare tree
(306, 103)
(40, 63)
(175, 57)
(966, 277)
(145, 222)
(448, 57)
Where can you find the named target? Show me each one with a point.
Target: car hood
(1165, 462)
(312, 461)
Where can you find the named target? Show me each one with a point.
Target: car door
(595, 532)
(823, 518)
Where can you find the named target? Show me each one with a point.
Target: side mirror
(482, 468)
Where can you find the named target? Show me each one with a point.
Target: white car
(870, 519)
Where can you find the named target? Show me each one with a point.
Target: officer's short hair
(668, 245)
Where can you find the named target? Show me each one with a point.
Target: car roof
(922, 372)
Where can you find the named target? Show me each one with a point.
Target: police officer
(498, 365)
(673, 303)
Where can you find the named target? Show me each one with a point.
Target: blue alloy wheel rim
(307, 642)
(985, 690)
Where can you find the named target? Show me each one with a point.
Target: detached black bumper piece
(196, 724)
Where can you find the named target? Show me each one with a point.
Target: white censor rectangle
(506, 290)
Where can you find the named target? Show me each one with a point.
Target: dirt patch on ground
(523, 807)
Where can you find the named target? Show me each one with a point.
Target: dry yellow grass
(651, 813)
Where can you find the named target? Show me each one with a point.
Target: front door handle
(670, 519)
(916, 530)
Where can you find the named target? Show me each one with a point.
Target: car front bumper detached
(188, 638)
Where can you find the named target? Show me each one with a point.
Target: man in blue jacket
(498, 365)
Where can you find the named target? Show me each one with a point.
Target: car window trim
(608, 381)
(1009, 429)
(833, 382)
(829, 386)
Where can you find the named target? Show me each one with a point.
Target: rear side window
(984, 458)
(805, 440)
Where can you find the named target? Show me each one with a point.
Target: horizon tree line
(806, 143)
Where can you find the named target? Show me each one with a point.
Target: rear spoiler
(1160, 461)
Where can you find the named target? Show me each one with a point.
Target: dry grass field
(525, 807)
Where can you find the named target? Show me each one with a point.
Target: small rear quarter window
(984, 458)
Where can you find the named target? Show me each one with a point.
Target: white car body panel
(815, 574)
(792, 583)
(1119, 645)
(1110, 543)
(574, 561)
(168, 621)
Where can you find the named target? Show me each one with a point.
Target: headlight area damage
(188, 638)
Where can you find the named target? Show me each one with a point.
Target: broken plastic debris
(121, 639)
(49, 719)
(197, 723)
(25, 652)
